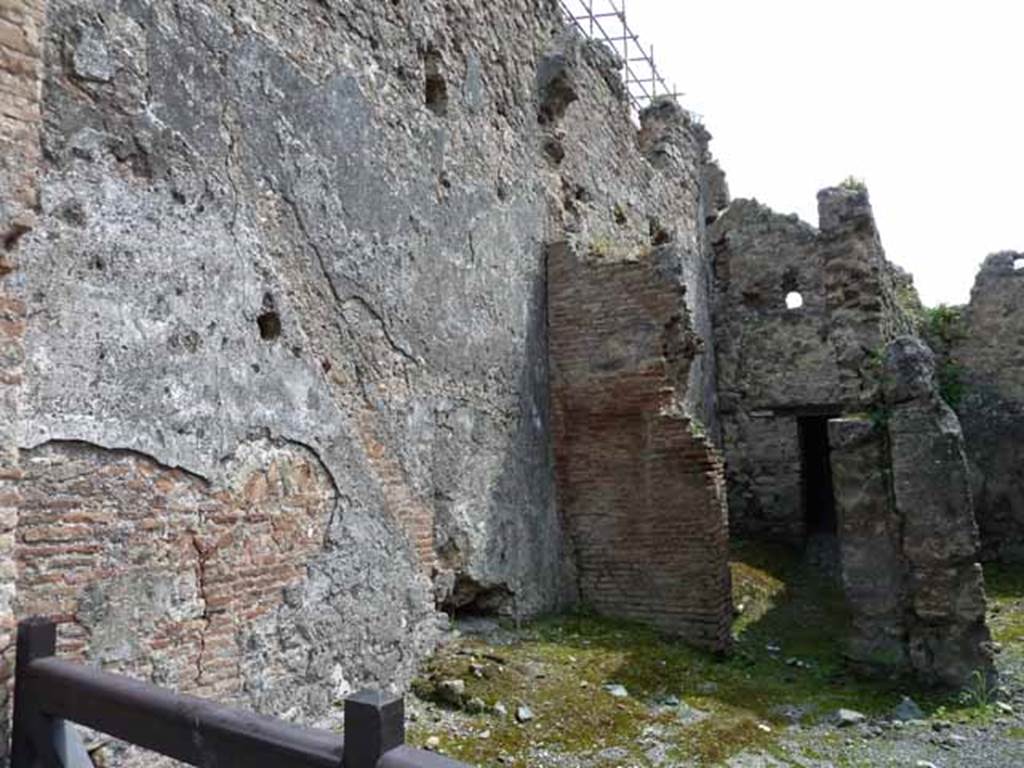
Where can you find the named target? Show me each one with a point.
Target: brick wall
(402, 503)
(152, 571)
(641, 492)
(21, 24)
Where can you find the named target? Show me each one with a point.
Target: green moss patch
(787, 664)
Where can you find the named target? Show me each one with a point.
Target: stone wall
(641, 489)
(286, 379)
(776, 363)
(908, 536)
(21, 24)
(872, 568)
(985, 362)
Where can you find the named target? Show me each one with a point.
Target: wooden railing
(50, 694)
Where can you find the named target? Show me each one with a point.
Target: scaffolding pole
(605, 21)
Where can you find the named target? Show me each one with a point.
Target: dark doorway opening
(816, 471)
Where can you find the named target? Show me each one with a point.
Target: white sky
(923, 99)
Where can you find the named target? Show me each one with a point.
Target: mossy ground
(787, 659)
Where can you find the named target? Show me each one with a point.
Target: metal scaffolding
(605, 20)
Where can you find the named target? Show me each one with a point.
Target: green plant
(952, 387)
(980, 692)
(853, 183)
(944, 324)
(879, 417)
(909, 303)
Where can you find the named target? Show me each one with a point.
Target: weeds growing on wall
(944, 324)
(853, 183)
(951, 383)
(909, 303)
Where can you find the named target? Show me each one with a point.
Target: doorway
(816, 474)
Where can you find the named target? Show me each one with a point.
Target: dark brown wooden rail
(50, 693)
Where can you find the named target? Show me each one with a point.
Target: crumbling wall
(908, 536)
(771, 359)
(151, 569)
(776, 363)
(984, 365)
(21, 23)
(632, 369)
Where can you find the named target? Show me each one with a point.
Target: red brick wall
(402, 503)
(641, 492)
(21, 23)
(153, 571)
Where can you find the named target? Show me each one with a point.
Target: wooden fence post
(31, 742)
(374, 725)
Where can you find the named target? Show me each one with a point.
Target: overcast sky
(923, 99)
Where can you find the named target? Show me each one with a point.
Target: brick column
(21, 24)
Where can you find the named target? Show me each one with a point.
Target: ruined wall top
(824, 349)
(845, 205)
(990, 349)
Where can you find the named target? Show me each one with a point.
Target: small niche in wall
(270, 325)
(435, 87)
(794, 300)
(1018, 264)
(269, 321)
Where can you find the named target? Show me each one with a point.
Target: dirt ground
(580, 691)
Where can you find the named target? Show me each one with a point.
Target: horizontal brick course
(113, 523)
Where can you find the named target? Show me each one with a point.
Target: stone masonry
(322, 320)
(986, 360)
(285, 383)
(908, 536)
(896, 500)
(777, 364)
(869, 530)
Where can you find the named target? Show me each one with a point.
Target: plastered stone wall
(288, 349)
(777, 363)
(986, 357)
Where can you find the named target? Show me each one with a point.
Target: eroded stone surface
(320, 230)
(21, 27)
(986, 360)
(873, 570)
(777, 363)
(909, 540)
